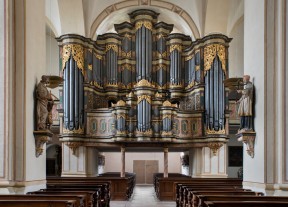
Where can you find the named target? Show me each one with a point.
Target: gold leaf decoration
(143, 82)
(212, 131)
(114, 47)
(146, 97)
(175, 47)
(145, 23)
(210, 53)
(126, 54)
(168, 104)
(89, 66)
(74, 131)
(77, 52)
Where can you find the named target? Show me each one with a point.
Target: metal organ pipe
(76, 89)
(72, 94)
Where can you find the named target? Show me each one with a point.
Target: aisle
(143, 196)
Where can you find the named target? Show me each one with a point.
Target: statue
(44, 104)
(245, 105)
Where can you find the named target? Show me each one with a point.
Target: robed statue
(245, 109)
(44, 104)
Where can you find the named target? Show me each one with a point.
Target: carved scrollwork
(145, 23)
(144, 83)
(248, 138)
(74, 131)
(126, 54)
(77, 52)
(175, 47)
(210, 53)
(215, 146)
(73, 146)
(146, 97)
(212, 131)
(146, 133)
(169, 104)
(114, 47)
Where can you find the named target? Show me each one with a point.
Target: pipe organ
(144, 84)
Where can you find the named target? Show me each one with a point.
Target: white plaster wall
(236, 51)
(52, 58)
(253, 169)
(113, 161)
(72, 16)
(35, 59)
(235, 13)
(53, 16)
(2, 89)
(216, 16)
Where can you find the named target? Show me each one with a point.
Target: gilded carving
(212, 131)
(119, 103)
(127, 66)
(189, 57)
(89, 66)
(74, 131)
(146, 133)
(143, 83)
(173, 85)
(146, 97)
(77, 52)
(160, 66)
(158, 95)
(161, 55)
(168, 104)
(190, 85)
(215, 146)
(175, 47)
(99, 57)
(96, 84)
(164, 134)
(197, 67)
(126, 54)
(210, 53)
(73, 146)
(145, 23)
(114, 47)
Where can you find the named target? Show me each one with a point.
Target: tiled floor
(143, 196)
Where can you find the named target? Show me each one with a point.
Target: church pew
(38, 203)
(187, 197)
(246, 203)
(80, 200)
(166, 187)
(202, 199)
(88, 195)
(120, 188)
(102, 191)
(181, 188)
(194, 201)
(96, 199)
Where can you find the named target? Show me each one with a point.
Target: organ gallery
(144, 86)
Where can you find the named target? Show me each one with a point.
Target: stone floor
(143, 196)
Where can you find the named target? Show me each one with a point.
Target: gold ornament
(212, 131)
(145, 23)
(215, 146)
(175, 47)
(111, 46)
(77, 52)
(210, 53)
(146, 97)
(143, 83)
(74, 131)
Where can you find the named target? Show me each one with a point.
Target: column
(165, 162)
(122, 175)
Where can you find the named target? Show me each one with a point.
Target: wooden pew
(202, 199)
(246, 204)
(80, 200)
(96, 199)
(42, 203)
(195, 201)
(90, 200)
(120, 188)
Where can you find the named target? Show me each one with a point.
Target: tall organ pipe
(72, 95)
(76, 89)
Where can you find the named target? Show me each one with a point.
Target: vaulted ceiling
(92, 17)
